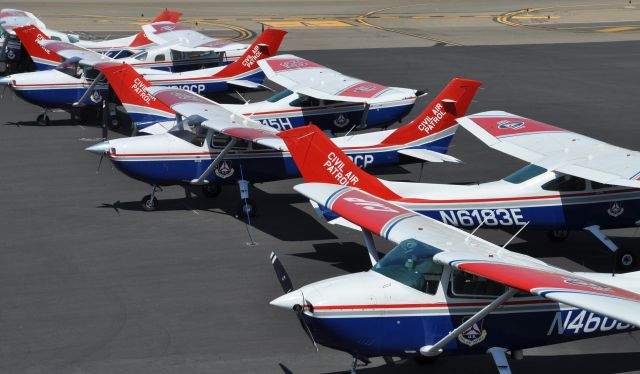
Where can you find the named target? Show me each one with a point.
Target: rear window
(524, 174)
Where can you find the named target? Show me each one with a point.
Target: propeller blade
(99, 163)
(281, 273)
(299, 309)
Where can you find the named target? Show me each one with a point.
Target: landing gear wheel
(211, 189)
(43, 120)
(149, 204)
(558, 236)
(246, 208)
(626, 260)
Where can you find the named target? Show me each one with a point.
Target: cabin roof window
(280, 95)
(528, 172)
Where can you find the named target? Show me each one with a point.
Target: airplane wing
(309, 78)
(69, 51)
(216, 117)
(12, 18)
(555, 148)
(184, 39)
(474, 255)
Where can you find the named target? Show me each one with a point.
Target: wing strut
(365, 114)
(371, 247)
(436, 349)
(203, 178)
(88, 92)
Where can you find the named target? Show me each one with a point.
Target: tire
(43, 120)
(211, 190)
(558, 236)
(626, 260)
(246, 208)
(149, 205)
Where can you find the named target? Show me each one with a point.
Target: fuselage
(179, 157)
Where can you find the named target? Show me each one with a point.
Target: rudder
(29, 36)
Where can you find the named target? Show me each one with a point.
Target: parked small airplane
(12, 53)
(77, 83)
(317, 94)
(573, 182)
(443, 291)
(211, 145)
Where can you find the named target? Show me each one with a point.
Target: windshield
(279, 96)
(525, 174)
(411, 263)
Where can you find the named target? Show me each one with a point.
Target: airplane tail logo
(131, 89)
(320, 160)
(30, 36)
(266, 45)
(441, 114)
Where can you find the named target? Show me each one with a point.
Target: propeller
(287, 287)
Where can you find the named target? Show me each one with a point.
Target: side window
(468, 285)
(53, 37)
(599, 186)
(305, 101)
(141, 56)
(159, 57)
(565, 183)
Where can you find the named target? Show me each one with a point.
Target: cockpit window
(194, 137)
(305, 101)
(599, 186)
(279, 96)
(565, 183)
(411, 263)
(524, 174)
(468, 285)
(142, 56)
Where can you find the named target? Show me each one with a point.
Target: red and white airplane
(78, 83)
(11, 52)
(443, 291)
(574, 182)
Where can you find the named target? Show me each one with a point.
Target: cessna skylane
(77, 83)
(443, 291)
(314, 93)
(573, 182)
(209, 145)
(12, 54)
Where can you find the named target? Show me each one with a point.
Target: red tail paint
(320, 160)
(451, 103)
(166, 15)
(30, 35)
(130, 86)
(266, 45)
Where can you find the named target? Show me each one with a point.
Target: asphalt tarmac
(89, 283)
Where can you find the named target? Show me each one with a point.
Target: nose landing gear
(150, 202)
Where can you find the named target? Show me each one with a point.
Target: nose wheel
(43, 119)
(150, 202)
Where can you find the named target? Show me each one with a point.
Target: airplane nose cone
(99, 149)
(289, 300)
(6, 80)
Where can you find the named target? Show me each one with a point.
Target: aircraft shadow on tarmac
(349, 256)
(603, 363)
(276, 214)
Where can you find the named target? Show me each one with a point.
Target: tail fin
(266, 45)
(441, 114)
(30, 35)
(131, 88)
(320, 160)
(166, 15)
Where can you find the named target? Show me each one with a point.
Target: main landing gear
(558, 236)
(624, 260)
(150, 202)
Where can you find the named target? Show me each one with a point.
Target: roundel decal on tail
(512, 125)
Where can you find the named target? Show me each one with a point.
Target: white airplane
(11, 52)
(443, 291)
(574, 182)
(78, 84)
